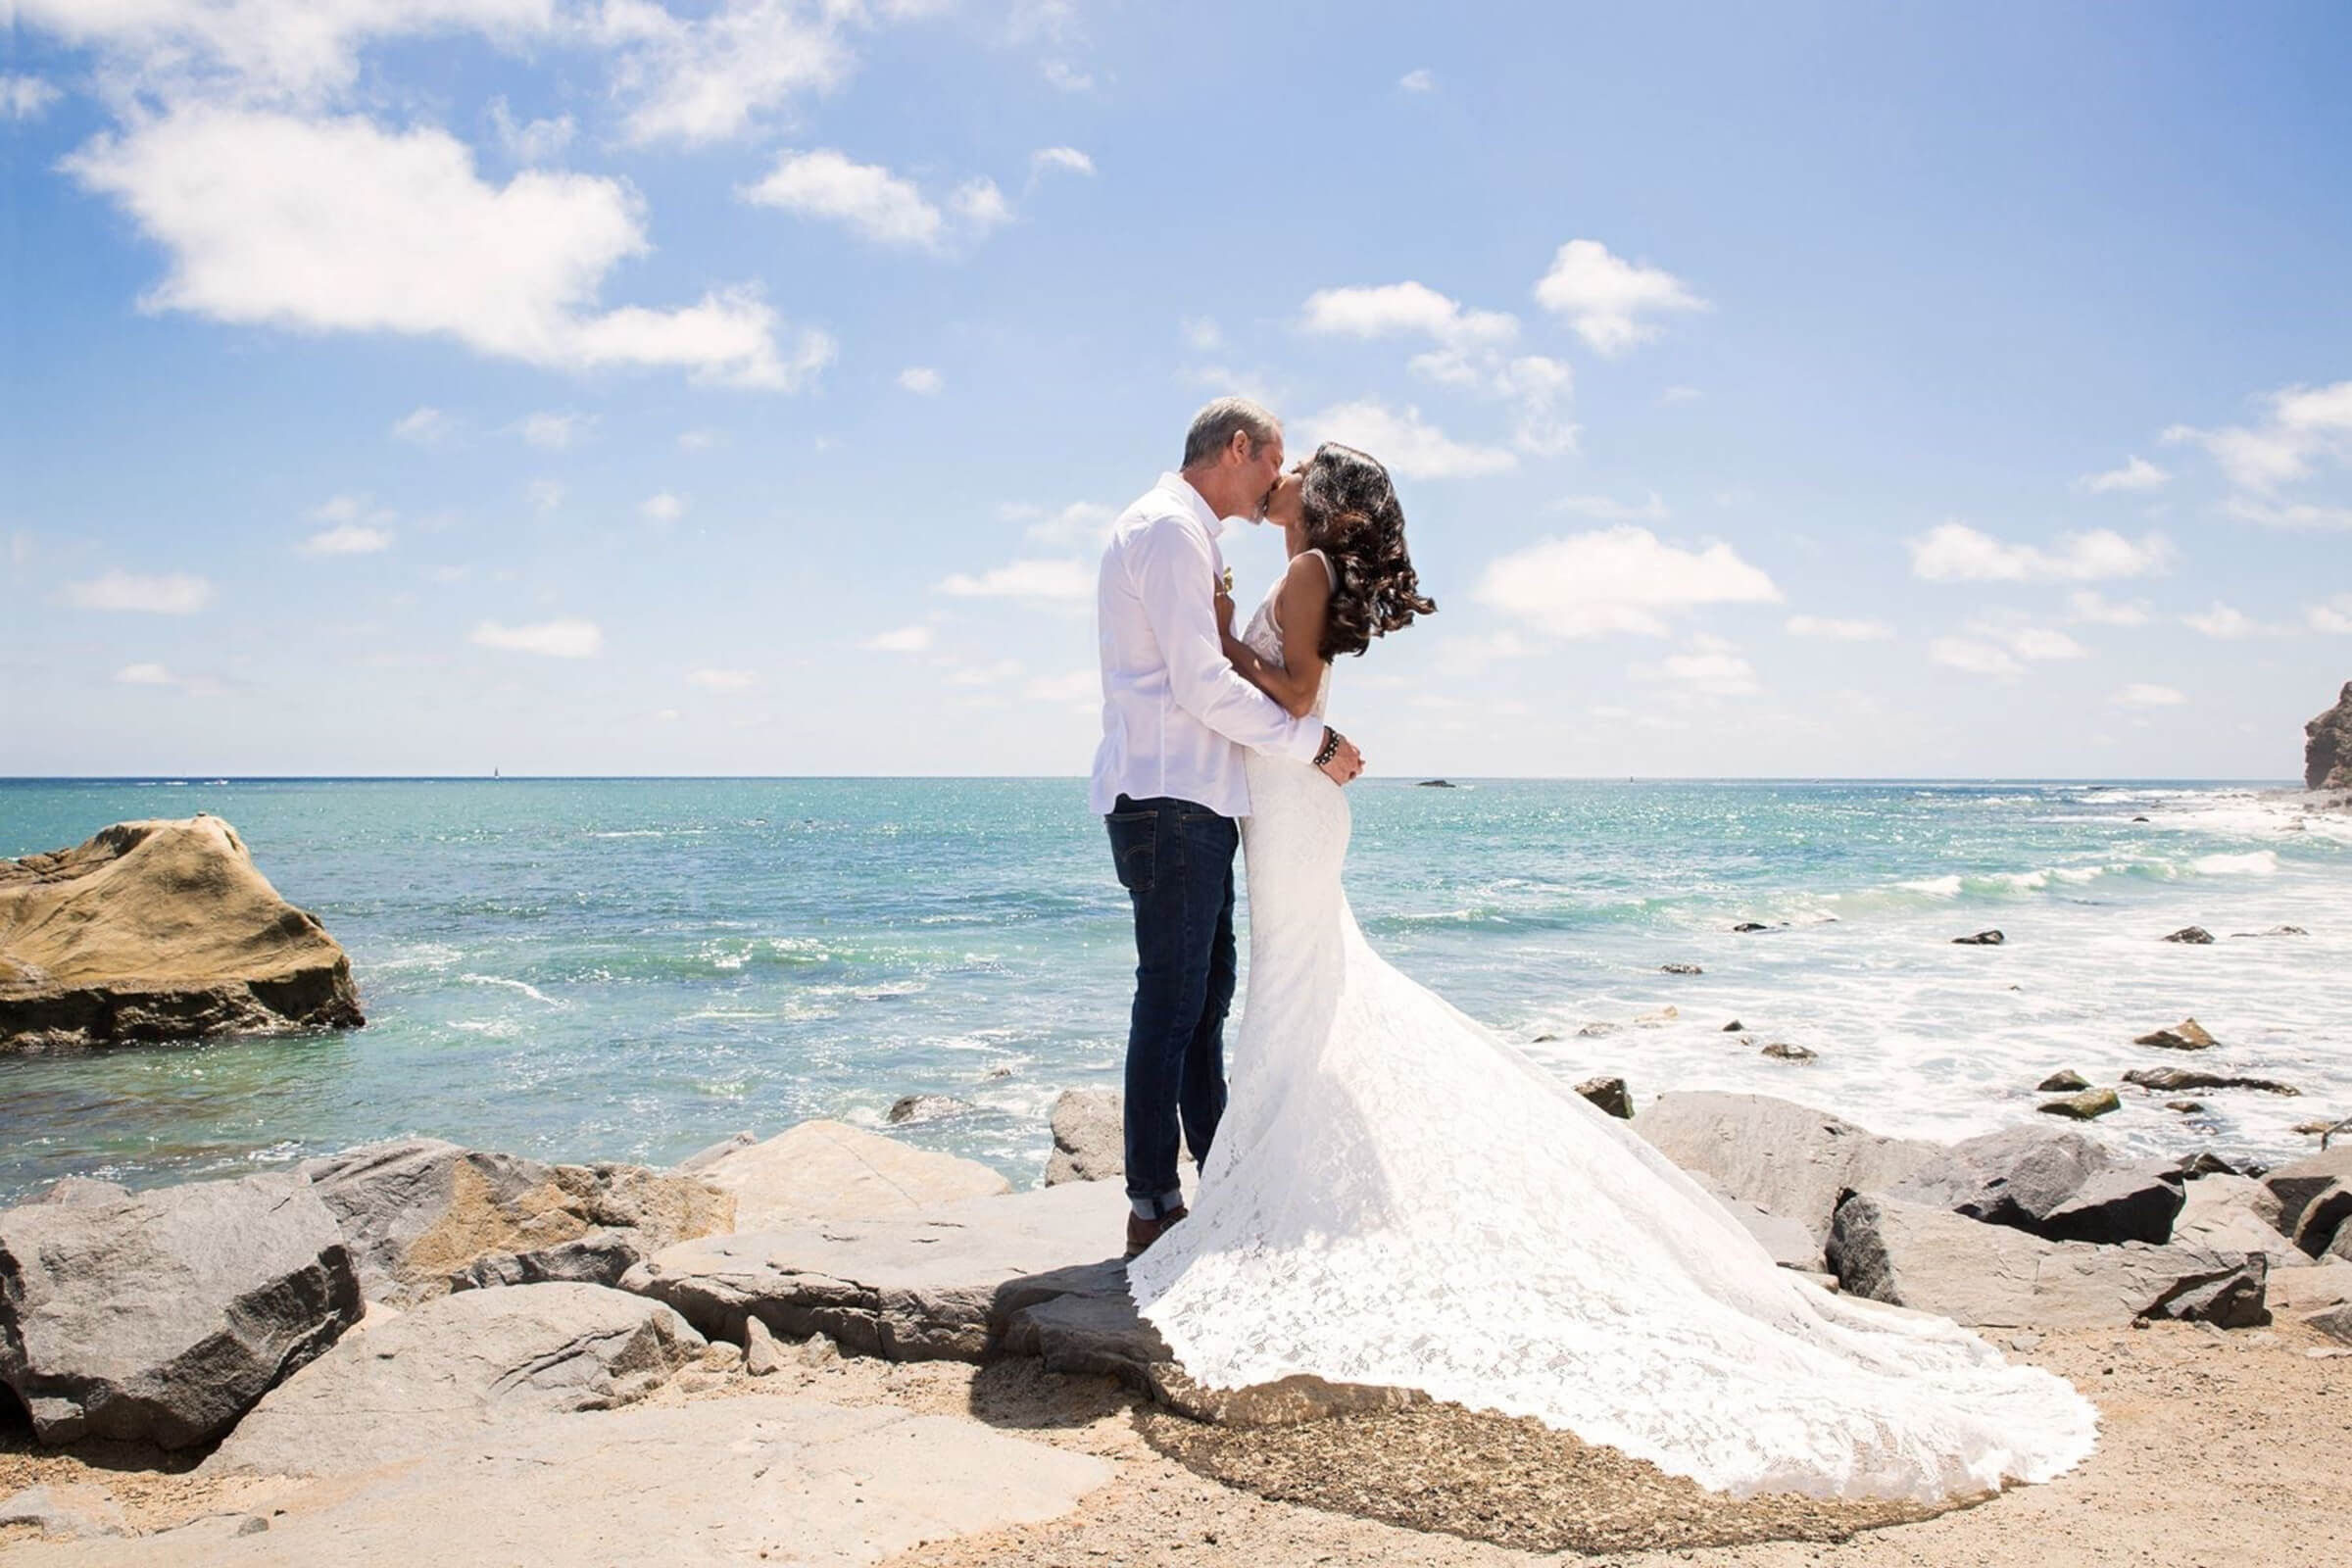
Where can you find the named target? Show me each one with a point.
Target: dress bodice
(1263, 634)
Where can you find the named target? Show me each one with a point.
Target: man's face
(1263, 470)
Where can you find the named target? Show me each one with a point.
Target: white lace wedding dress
(1398, 1197)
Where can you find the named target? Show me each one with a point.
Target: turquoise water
(634, 968)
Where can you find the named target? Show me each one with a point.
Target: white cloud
(1679, 394)
(2334, 617)
(1081, 522)
(1079, 686)
(701, 440)
(720, 680)
(1392, 309)
(173, 593)
(980, 204)
(426, 426)
(1622, 580)
(2141, 695)
(1604, 298)
(1458, 655)
(866, 198)
(1202, 333)
(1409, 447)
(1418, 80)
(1840, 631)
(539, 141)
(555, 432)
(710, 77)
(554, 639)
(348, 539)
(662, 506)
(2095, 608)
(1711, 668)
(1064, 580)
(545, 494)
(2304, 423)
(1066, 159)
(339, 225)
(905, 640)
(1608, 509)
(2041, 643)
(2228, 623)
(1003, 669)
(1973, 658)
(1953, 552)
(1066, 77)
(922, 381)
(2137, 475)
(25, 97)
(2292, 516)
(145, 675)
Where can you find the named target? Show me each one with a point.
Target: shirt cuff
(1306, 739)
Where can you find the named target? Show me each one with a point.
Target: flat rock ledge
(158, 930)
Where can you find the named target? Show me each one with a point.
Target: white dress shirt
(1176, 715)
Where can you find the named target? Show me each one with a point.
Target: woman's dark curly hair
(1352, 516)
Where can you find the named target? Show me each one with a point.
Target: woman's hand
(1224, 614)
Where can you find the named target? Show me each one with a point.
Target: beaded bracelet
(1331, 740)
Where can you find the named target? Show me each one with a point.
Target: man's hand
(1345, 764)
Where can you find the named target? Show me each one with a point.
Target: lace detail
(1263, 634)
(1398, 1197)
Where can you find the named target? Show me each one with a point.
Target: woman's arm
(1303, 599)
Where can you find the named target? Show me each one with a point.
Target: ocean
(631, 970)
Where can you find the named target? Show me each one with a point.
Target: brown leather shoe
(1141, 1232)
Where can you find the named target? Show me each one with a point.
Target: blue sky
(435, 386)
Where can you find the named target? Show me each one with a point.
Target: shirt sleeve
(1174, 577)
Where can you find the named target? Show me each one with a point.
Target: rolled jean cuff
(1154, 1208)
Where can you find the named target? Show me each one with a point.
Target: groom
(1168, 781)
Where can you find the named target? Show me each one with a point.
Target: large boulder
(158, 931)
(1090, 1137)
(163, 1316)
(830, 1170)
(423, 1216)
(454, 1366)
(1785, 1158)
(2057, 1183)
(2327, 747)
(911, 1287)
(2233, 1214)
(1994, 1276)
(2297, 1184)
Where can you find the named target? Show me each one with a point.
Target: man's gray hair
(1214, 429)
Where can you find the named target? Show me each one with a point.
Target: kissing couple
(1391, 1193)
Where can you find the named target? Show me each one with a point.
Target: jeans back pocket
(1134, 848)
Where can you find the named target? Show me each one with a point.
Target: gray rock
(830, 1170)
(454, 1366)
(704, 1158)
(600, 1257)
(66, 1510)
(1681, 969)
(1983, 939)
(1790, 1245)
(734, 1481)
(2186, 1034)
(2327, 747)
(924, 1107)
(1785, 1158)
(2318, 1227)
(162, 1317)
(2012, 1177)
(2342, 1247)
(420, 1213)
(2232, 1214)
(2174, 1080)
(2088, 1105)
(1090, 1137)
(1782, 1051)
(1610, 1095)
(1993, 1276)
(2275, 931)
(2295, 1185)
(80, 1192)
(760, 1356)
(2193, 935)
(2134, 1204)
(2335, 1323)
(1731, 1028)
(911, 1287)
(2062, 1083)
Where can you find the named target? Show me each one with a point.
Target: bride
(1398, 1197)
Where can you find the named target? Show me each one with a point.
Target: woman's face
(1285, 510)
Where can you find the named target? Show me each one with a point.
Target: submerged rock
(924, 1107)
(2186, 1034)
(1090, 1137)
(1681, 969)
(1610, 1095)
(2173, 1080)
(162, 1317)
(1782, 1051)
(1983, 939)
(2327, 747)
(2088, 1106)
(2062, 1083)
(2193, 935)
(158, 930)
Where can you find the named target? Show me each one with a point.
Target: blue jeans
(1175, 860)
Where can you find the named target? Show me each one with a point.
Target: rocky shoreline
(333, 1331)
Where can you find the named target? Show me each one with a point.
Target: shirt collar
(1177, 485)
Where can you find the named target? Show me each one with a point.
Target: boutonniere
(1225, 583)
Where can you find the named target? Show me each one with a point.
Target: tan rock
(830, 1170)
(158, 930)
(1090, 1137)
